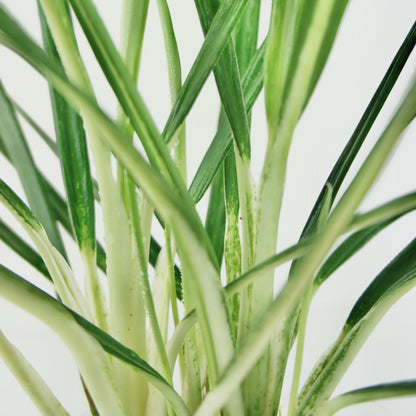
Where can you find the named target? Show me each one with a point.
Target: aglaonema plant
(158, 326)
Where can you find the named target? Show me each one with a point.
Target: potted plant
(171, 304)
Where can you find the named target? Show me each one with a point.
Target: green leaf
(246, 34)
(227, 77)
(18, 151)
(300, 39)
(73, 157)
(341, 167)
(84, 340)
(194, 248)
(347, 249)
(221, 144)
(396, 279)
(63, 279)
(18, 245)
(30, 380)
(124, 87)
(216, 39)
(370, 393)
(257, 339)
(215, 219)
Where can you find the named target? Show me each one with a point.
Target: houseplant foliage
(147, 305)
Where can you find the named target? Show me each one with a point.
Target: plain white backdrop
(370, 34)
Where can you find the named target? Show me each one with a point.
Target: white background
(371, 32)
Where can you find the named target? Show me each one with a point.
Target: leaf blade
(18, 151)
(252, 84)
(219, 32)
(73, 157)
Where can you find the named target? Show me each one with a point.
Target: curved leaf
(396, 279)
(84, 340)
(389, 213)
(370, 393)
(30, 380)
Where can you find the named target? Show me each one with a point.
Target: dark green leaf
(215, 219)
(227, 77)
(370, 393)
(396, 279)
(347, 249)
(74, 158)
(11, 239)
(347, 156)
(222, 142)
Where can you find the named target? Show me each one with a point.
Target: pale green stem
(281, 124)
(303, 317)
(33, 384)
(248, 238)
(171, 276)
(175, 81)
(146, 289)
(123, 288)
(94, 290)
(62, 277)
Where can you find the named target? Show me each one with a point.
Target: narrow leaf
(347, 156)
(85, 342)
(221, 144)
(301, 36)
(370, 393)
(227, 77)
(215, 219)
(194, 248)
(30, 380)
(246, 34)
(18, 245)
(216, 39)
(19, 153)
(74, 158)
(396, 279)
